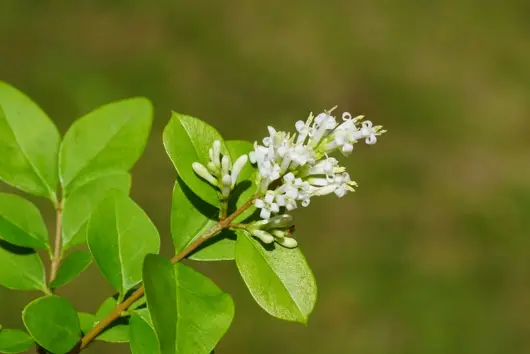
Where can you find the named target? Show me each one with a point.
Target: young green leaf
(119, 236)
(190, 315)
(53, 323)
(142, 336)
(108, 139)
(73, 265)
(246, 186)
(190, 218)
(278, 278)
(79, 205)
(21, 268)
(21, 222)
(187, 140)
(14, 341)
(29, 144)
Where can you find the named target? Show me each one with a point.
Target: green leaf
(278, 278)
(21, 268)
(221, 247)
(119, 236)
(118, 332)
(160, 292)
(73, 265)
(14, 341)
(190, 313)
(52, 321)
(187, 140)
(190, 218)
(79, 205)
(142, 336)
(108, 139)
(21, 222)
(246, 186)
(29, 144)
(86, 321)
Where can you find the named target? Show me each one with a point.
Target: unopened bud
(287, 242)
(279, 222)
(225, 164)
(238, 166)
(203, 172)
(264, 236)
(216, 153)
(227, 186)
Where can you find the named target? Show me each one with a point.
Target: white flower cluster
(219, 171)
(294, 168)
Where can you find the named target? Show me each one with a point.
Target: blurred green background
(431, 254)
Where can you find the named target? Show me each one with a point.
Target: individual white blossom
(267, 205)
(219, 171)
(294, 168)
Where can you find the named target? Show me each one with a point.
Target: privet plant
(231, 201)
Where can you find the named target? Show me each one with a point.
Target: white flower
(267, 205)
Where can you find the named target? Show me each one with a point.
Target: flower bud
(203, 172)
(225, 164)
(278, 233)
(279, 222)
(238, 166)
(264, 236)
(216, 153)
(287, 242)
(227, 186)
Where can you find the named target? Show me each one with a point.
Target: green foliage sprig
(231, 201)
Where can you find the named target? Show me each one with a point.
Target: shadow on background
(430, 255)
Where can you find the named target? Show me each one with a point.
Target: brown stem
(57, 251)
(120, 308)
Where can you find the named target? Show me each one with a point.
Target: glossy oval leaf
(190, 218)
(79, 205)
(194, 314)
(14, 341)
(142, 336)
(108, 139)
(53, 323)
(187, 140)
(161, 295)
(21, 268)
(21, 223)
(73, 265)
(119, 236)
(29, 144)
(278, 278)
(246, 186)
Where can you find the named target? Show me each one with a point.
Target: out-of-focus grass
(431, 254)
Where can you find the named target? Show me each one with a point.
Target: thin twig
(120, 308)
(57, 250)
